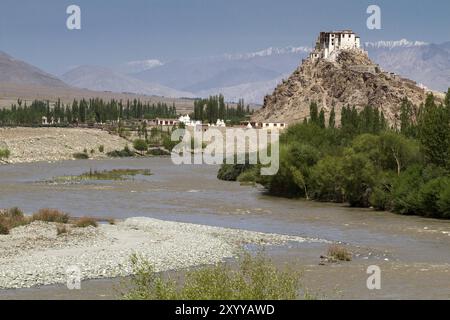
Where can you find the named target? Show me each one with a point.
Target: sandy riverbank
(35, 255)
(56, 144)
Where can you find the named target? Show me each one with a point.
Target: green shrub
(158, 152)
(405, 191)
(328, 180)
(124, 153)
(381, 196)
(4, 153)
(81, 156)
(444, 201)
(168, 144)
(256, 278)
(359, 179)
(250, 175)
(428, 197)
(230, 172)
(51, 215)
(101, 149)
(140, 145)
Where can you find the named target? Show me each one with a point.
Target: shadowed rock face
(19, 72)
(352, 80)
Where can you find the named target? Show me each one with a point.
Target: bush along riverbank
(364, 162)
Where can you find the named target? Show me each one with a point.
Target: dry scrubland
(55, 144)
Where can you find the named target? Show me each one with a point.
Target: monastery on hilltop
(329, 44)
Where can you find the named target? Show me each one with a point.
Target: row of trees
(100, 111)
(404, 168)
(214, 108)
(369, 120)
(84, 111)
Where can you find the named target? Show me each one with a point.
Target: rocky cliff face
(352, 80)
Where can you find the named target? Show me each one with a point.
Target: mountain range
(103, 79)
(243, 75)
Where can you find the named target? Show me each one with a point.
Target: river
(412, 252)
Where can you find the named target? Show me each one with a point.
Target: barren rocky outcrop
(353, 79)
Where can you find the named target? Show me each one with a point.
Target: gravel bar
(34, 255)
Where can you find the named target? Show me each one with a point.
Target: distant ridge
(18, 72)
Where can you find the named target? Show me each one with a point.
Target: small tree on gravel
(140, 145)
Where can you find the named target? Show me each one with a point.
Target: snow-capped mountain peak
(271, 51)
(403, 43)
(140, 65)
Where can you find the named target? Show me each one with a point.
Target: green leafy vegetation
(80, 156)
(106, 175)
(140, 145)
(255, 278)
(124, 153)
(214, 108)
(4, 154)
(83, 112)
(158, 152)
(404, 169)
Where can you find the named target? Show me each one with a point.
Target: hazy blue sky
(115, 31)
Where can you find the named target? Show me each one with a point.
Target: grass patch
(106, 175)
(255, 278)
(51, 215)
(4, 153)
(86, 222)
(10, 219)
(339, 253)
(158, 152)
(80, 156)
(125, 153)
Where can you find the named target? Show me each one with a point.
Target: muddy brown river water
(413, 253)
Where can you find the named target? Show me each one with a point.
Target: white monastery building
(330, 44)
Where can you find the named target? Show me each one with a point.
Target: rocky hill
(353, 79)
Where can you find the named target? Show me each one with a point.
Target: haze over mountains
(248, 75)
(253, 75)
(103, 79)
